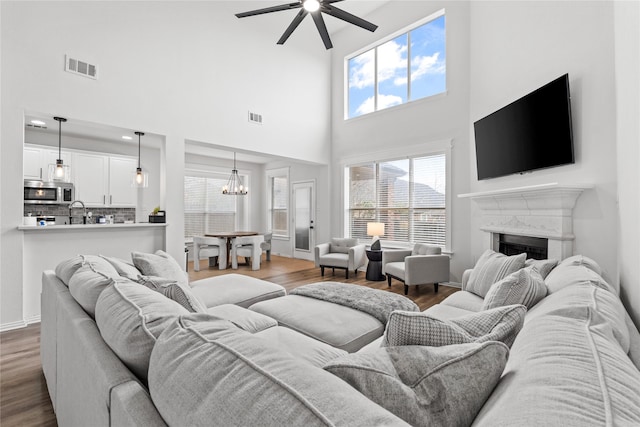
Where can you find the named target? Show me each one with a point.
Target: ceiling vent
(82, 68)
(255, 118)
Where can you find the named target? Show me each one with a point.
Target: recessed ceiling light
(128, 138)
(38, 122)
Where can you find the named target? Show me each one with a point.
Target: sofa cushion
(300, 346)
(66, 269)
(525, 287)
(498, 324)
(339, 326)
(565, 369)
(491, 268)
(237, 371)
(235, 289)
(464, 300)
(124, 268)
(544, 266)
(130, 318)
(566, 275)
(396, 269)
(426, 386)
(607, 304)
(581, 260)
(160, 264)
(88, 282)
(342, 245)
(243, 318)
(173, 290)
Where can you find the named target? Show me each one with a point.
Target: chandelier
(234, 185)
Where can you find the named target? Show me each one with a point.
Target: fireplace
(534, 247)
(537, 219)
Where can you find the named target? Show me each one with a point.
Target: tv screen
(531, 133)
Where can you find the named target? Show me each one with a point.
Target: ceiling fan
(315, 8)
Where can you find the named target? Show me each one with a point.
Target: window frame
(415, 151)
(277, 173)
(406, 30)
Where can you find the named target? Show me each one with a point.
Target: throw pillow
(160, 264)
(525, 287)
(173, 290)
(491, 268)
(124, 268)
(498, 324)
(427, 386)
(66, 269)
(544, 266)
(88, 282)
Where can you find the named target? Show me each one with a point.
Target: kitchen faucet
(84, 211)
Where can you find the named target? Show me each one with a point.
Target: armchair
(212, 248)
(422, 265)
(248, 247)
(341, 253)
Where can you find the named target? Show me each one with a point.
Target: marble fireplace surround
(544, 211)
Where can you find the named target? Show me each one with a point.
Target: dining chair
(266, 245)
(211, 248)
(247, 247)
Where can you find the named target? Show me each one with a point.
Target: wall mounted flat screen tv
(531, 133)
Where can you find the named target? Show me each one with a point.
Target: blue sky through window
(427, 65)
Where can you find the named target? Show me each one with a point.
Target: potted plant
(158, 216)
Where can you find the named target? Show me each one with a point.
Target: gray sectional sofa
(574, 362)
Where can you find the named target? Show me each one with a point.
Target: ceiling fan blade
(269, 9)
(294, 24)
(346, 16)
(322, 29)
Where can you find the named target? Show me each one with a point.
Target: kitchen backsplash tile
(120, 215)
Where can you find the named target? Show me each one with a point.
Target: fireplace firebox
(534, 247)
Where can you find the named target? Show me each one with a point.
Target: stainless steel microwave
(48, 193)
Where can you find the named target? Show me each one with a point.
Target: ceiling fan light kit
(316, 8)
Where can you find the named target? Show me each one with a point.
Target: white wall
(627, 52)
(422, 123)
(517, 47)
(185, 70)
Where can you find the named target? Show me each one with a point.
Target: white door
(122, 193)
(90, 178)
(304, 208)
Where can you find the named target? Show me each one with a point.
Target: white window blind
(278, 209)
(407, 195)
(206, 209)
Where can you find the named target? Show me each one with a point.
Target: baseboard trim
(32, 319)
(453, 284)
(13, 325)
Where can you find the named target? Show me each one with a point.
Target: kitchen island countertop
(81, 227)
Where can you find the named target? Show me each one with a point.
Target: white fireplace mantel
(544, 210)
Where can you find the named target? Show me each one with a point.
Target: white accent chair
(266, 245)
(247, 247)
(212, 248)
(342, 253)
(422, 265)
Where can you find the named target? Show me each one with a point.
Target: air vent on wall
(82, 68)
(30, 125)
(255, 118)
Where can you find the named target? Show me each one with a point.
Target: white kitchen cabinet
(91, 173)
(102, 180)
(37, 161)
(121, 173)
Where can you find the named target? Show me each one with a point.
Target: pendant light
(234, 185)
(61, 172)
(141, 179)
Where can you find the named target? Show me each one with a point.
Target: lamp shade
(375, 229)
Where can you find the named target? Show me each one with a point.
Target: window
(407, 195)
(278, 203)
(206, 209)
(404, 68)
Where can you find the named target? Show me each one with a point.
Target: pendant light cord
(59, 139)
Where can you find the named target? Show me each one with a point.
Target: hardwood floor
(24, 399)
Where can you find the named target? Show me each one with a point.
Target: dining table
(229, 236)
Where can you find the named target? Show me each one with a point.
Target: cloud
(362, 73)
(427, 65)
(384, 101)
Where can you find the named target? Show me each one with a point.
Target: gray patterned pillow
(160, 264)
(491, 268)
(173, 290)
(544, 266)
(525, 287)
(498, 324)
(426, 386)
